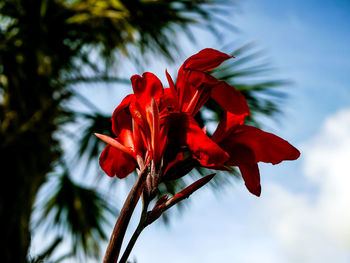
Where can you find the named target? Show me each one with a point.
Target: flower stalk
(138, 230)
(116, 240)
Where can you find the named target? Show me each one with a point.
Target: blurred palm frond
(89, 145)
(79, 211)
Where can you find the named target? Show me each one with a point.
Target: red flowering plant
(156, 134)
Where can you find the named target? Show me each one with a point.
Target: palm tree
(46, 47)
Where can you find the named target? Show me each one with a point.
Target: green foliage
(46, 254)
(89, 145)
(79, 211)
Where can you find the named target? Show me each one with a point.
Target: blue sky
(303, 212)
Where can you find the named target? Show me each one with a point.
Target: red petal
(208, 153)
(121, 118)
(139, 116)
(205, 60)
(247, 145)
(168, 102)
(251, 177)
(146, 87)
(172, 90)
(114, 143)
(138, 141)
(116, 163)
(163, 138)
(122, 123)
(191, 82)
(229, 98)
(154, 124)
(179, 167)
(228, 123)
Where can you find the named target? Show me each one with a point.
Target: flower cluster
(155, 127)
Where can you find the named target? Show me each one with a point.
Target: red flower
(248, 145)
(195, 85)
(156, 125)
(193, 88)
(119, 157)
(185, 131)
(140, 133)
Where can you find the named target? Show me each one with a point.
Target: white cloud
(315, 227)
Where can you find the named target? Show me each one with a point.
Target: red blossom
(156, 125)
(248, 145)
(195, 85)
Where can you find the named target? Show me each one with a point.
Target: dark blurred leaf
(81, 211)
(89, 144)
(48, 252)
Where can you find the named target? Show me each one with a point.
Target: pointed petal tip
(296, 154)
(114, 143)
(291, 155)
(256, 191)
(211, 176)
(205, 60)
(98, 135)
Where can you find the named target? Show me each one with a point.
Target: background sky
(303, 213)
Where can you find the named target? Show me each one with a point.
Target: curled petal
(121, 118)
(229, 98)
(194, 89)
(205, 60)
(147, 87)
(116, 163)
(122, 123)
(227, 125)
